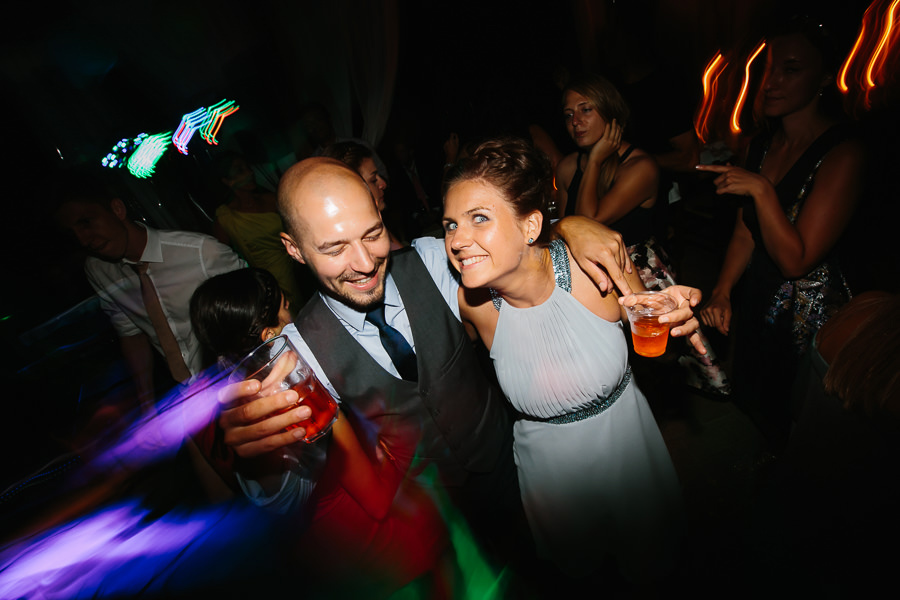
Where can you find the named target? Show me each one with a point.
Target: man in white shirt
(171, 263)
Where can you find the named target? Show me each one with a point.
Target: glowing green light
(215, 114)
(143, 162)
(116, 158)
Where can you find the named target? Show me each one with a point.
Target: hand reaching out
(735, 180)
(717, 313)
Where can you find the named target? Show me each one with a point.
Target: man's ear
(292, 248)
(118, 208)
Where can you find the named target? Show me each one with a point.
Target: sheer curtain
(373, 66)
(340, 52)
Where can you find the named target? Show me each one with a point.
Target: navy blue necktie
(398, 349)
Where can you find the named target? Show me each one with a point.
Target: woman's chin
(469, 280)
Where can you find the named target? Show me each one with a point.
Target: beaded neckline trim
(561, 271)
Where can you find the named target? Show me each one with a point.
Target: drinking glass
(278, 366)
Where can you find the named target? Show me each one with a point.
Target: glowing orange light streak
(878, 57)
(842, 77)
(710, 79)
(739, 105)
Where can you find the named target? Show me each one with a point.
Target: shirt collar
(152, 249)
(355, 318)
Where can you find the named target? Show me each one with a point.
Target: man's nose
(83, 236)
(363, 261)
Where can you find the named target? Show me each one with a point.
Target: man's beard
(361, 301)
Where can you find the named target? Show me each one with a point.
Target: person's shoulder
(431, 251)
(567, 164)
(169, 235)
(638, 156)
(183, 237)
(94, 266)
(638, 164)
(427, 247)
(847, 151)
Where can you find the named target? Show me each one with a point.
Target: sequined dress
(775, 318)
(599, 487)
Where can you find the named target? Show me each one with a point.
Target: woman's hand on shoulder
(598, 250)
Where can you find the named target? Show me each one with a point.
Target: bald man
(444, 411)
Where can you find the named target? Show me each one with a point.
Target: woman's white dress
(600, 487)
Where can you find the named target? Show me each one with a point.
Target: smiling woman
(562, 360)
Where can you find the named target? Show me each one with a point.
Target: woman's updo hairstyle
(519, 171)
(230, 311)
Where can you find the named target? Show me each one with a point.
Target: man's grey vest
(458, 418)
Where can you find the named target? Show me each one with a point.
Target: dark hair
(517, 169)
(83, 184)
(816, 33)
(223, 164)
(349, 153)
(865, 372)
(230, 311)
(820, 37)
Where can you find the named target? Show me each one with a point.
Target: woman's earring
(530, 240)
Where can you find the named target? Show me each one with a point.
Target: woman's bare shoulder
(604, 305)
(639, 161)
(566, 168)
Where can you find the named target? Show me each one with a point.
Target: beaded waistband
(587, 412)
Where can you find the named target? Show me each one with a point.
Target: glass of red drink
(278, 366)
(647, 333)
